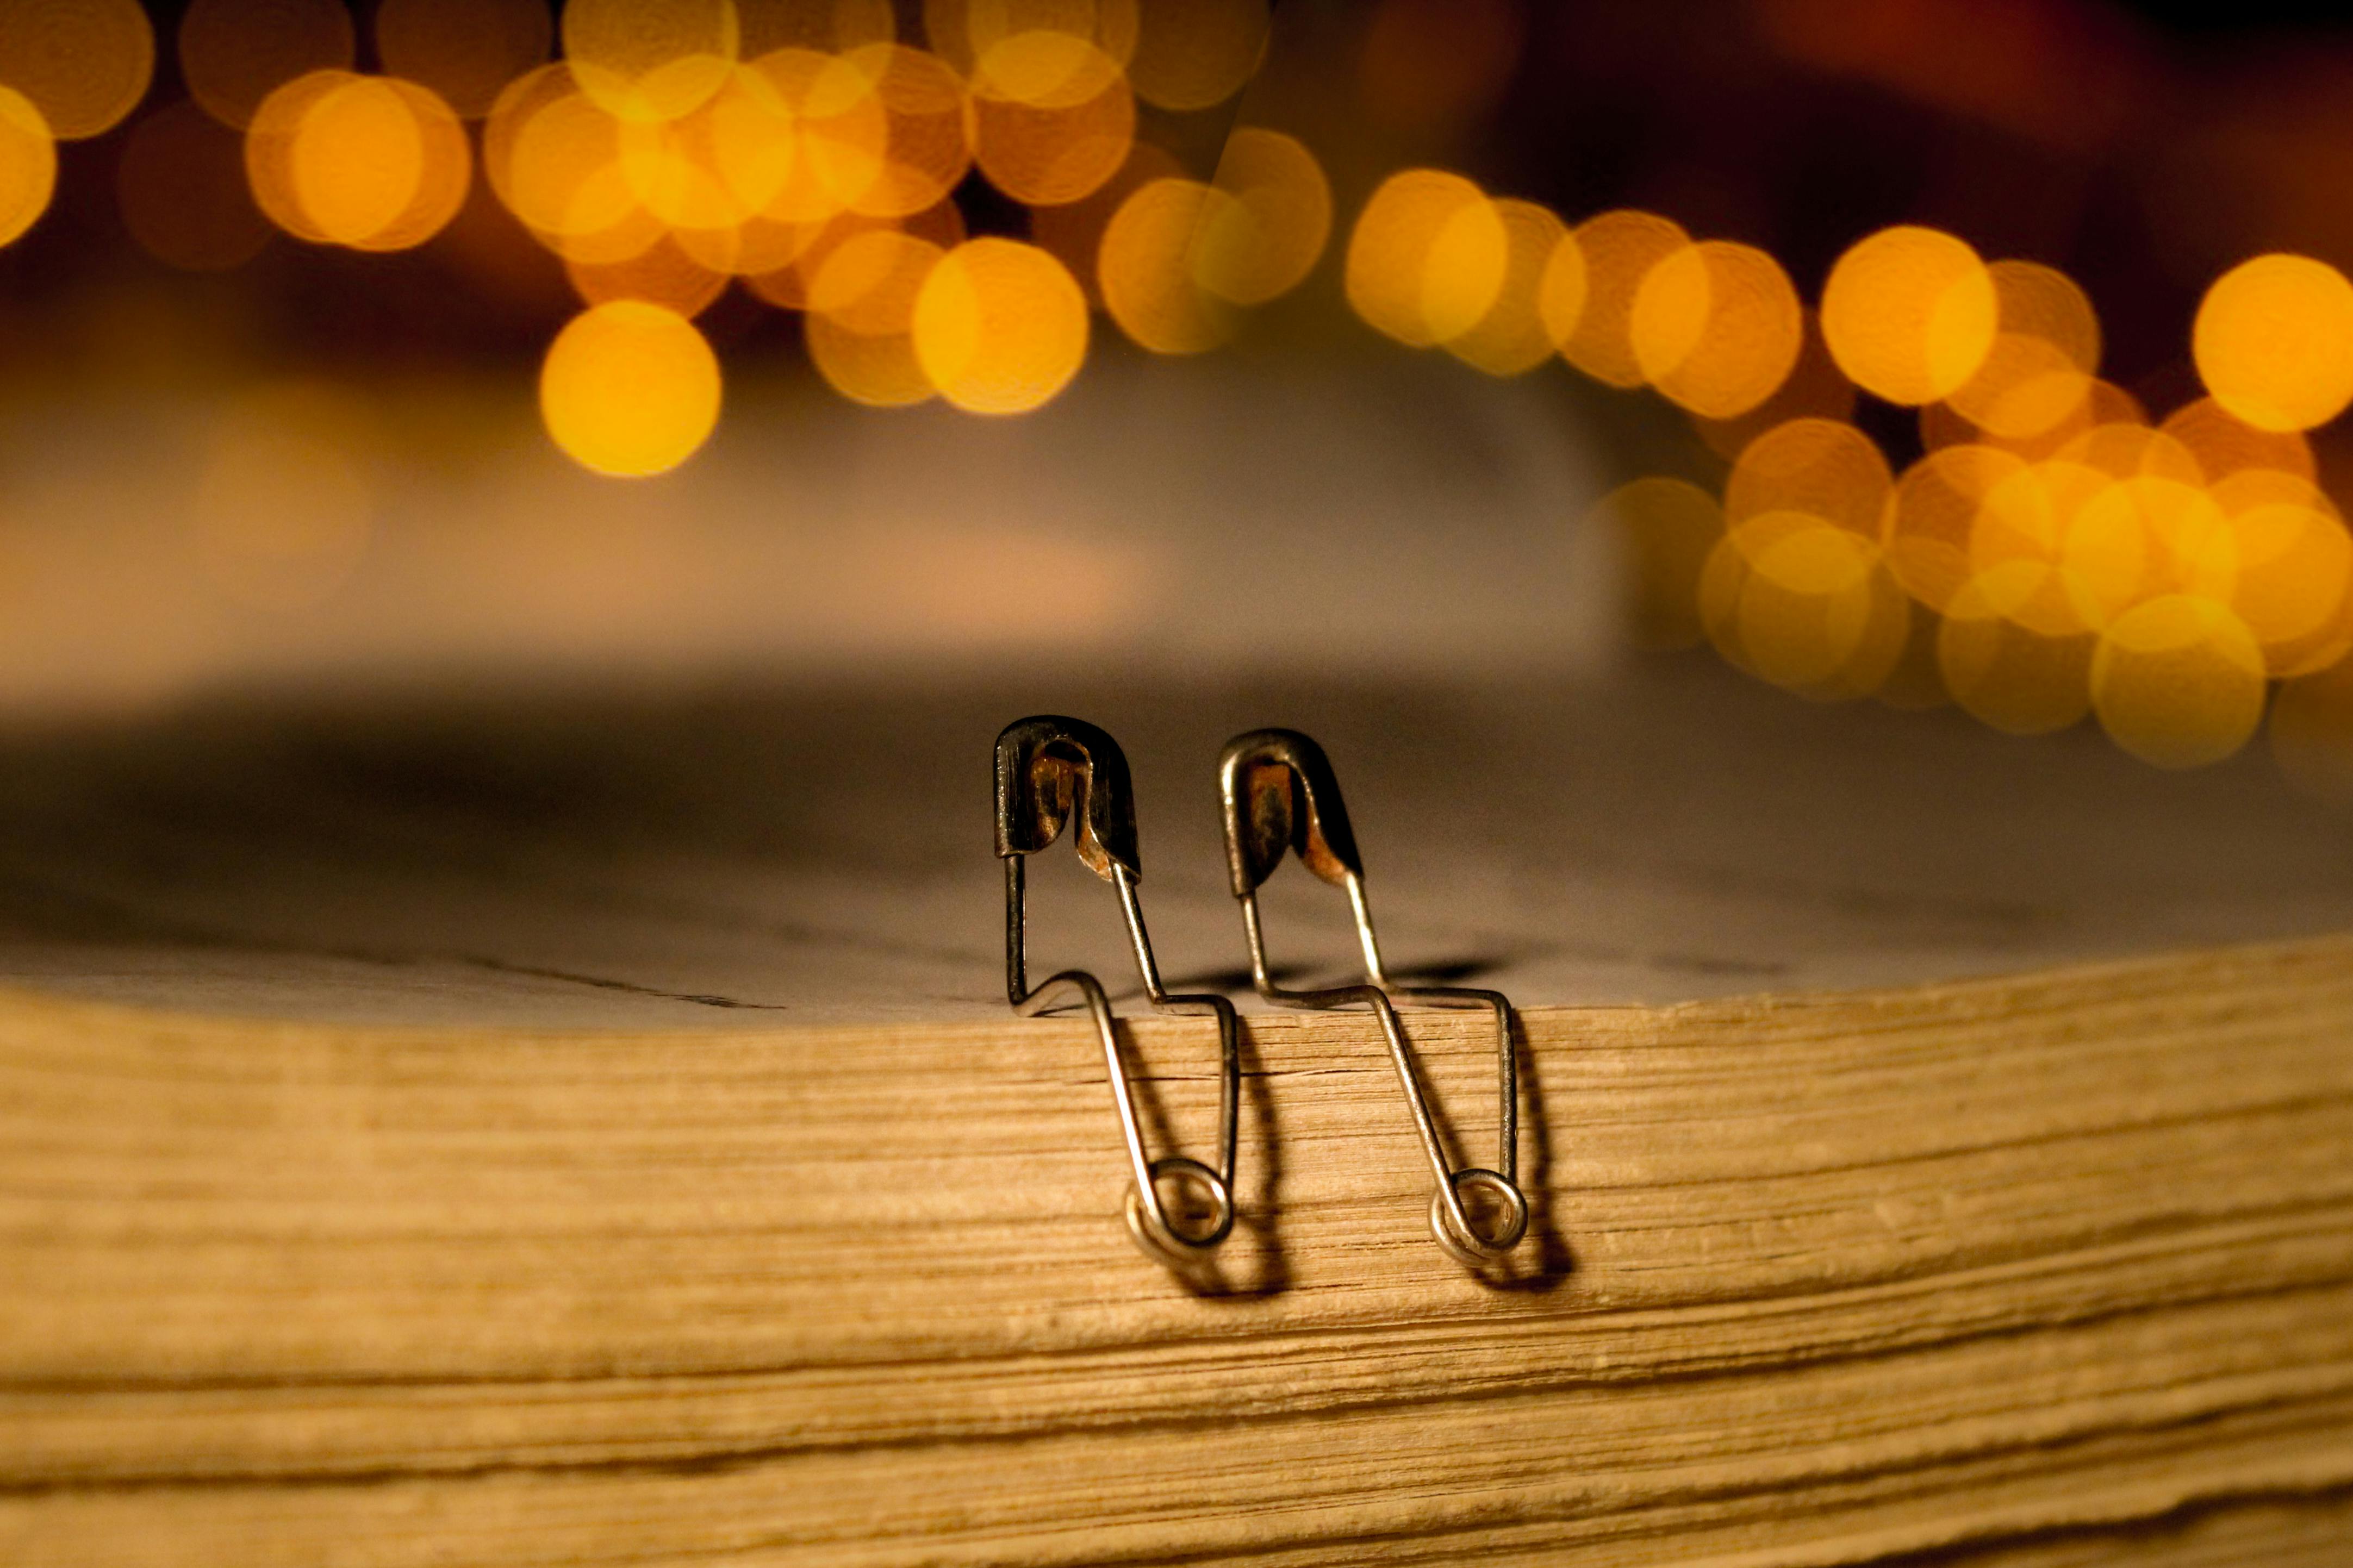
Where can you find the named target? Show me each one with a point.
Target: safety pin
(1051, 770)
(1280, 794)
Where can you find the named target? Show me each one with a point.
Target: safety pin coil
(1053, 772)
(1280, 794)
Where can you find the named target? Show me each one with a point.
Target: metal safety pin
(1280, 794)
(1051, 770)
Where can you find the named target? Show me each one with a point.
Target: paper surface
(602, 856)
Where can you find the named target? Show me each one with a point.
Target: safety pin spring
(1052, 770)
(1280, 794)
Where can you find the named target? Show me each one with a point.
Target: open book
(586, 1126)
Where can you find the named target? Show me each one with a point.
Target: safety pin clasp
(1280, 794)
(1053, 772)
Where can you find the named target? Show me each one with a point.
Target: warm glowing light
(754, 246)
(1561, 291)
(926, 148)
(1617, 251)
(2127, 450)
(1667, 528)
(1073, 232)
(270, 150)
(2027, 386)
(1198, 54)
(671, 169)
(650, 59)
(1263, 242)
(2139, 538)
(29, 164)
(2179, 681)
(1511, 339)
(464, 50)
(1427, 257)
(802, 137)
(861, 325)
(1818, 468)
(554, 156)
(1000, 327)
(84, 64)
(630, 389)
(2039, 302)
(2027, 514)
(376, 163)
(826, 27)
(1910, 314)
(1052, 116)
(2011, 651)
(182, 187)
(1934, 517)
(2103, 402)
(1811, 607)
(2273, 341)
(1145, 270)
(788, 286)
(2222, 444)
(665, 273)
(1716, 327)
(235, 53)
(2294, 582)
(1815, 388)
(962, 32)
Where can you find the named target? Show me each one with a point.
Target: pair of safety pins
(1279, 793)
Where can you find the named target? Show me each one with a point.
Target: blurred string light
(630, 389)
(83, 64)
(2056, 551)
(2053, 554)
(673, 149)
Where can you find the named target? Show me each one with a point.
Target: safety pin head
(1050, 770)
(1280, 794)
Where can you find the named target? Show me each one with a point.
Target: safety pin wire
(1192, 1004)
(1450, 1223)
(1147, 1216)
(1507, 1059)
(1280, 797)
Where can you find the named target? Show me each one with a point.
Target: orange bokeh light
(1910, 314)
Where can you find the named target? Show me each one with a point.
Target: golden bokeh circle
(1198, 54)
(235, 53)
(1716, 327)
(1614, 252)
(1264, 242)
(2273, 341)
(1000, 327)
(1146, 268)
(1052, 116)
(84, 64)
(2010, 652)
(1427, 258)
(1511, 337)
(1823, 468)
(860, 322)
(2178, 681)
(630, 389)
(1910, 313)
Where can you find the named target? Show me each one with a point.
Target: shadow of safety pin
(1052, 771)
(1279, 793)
